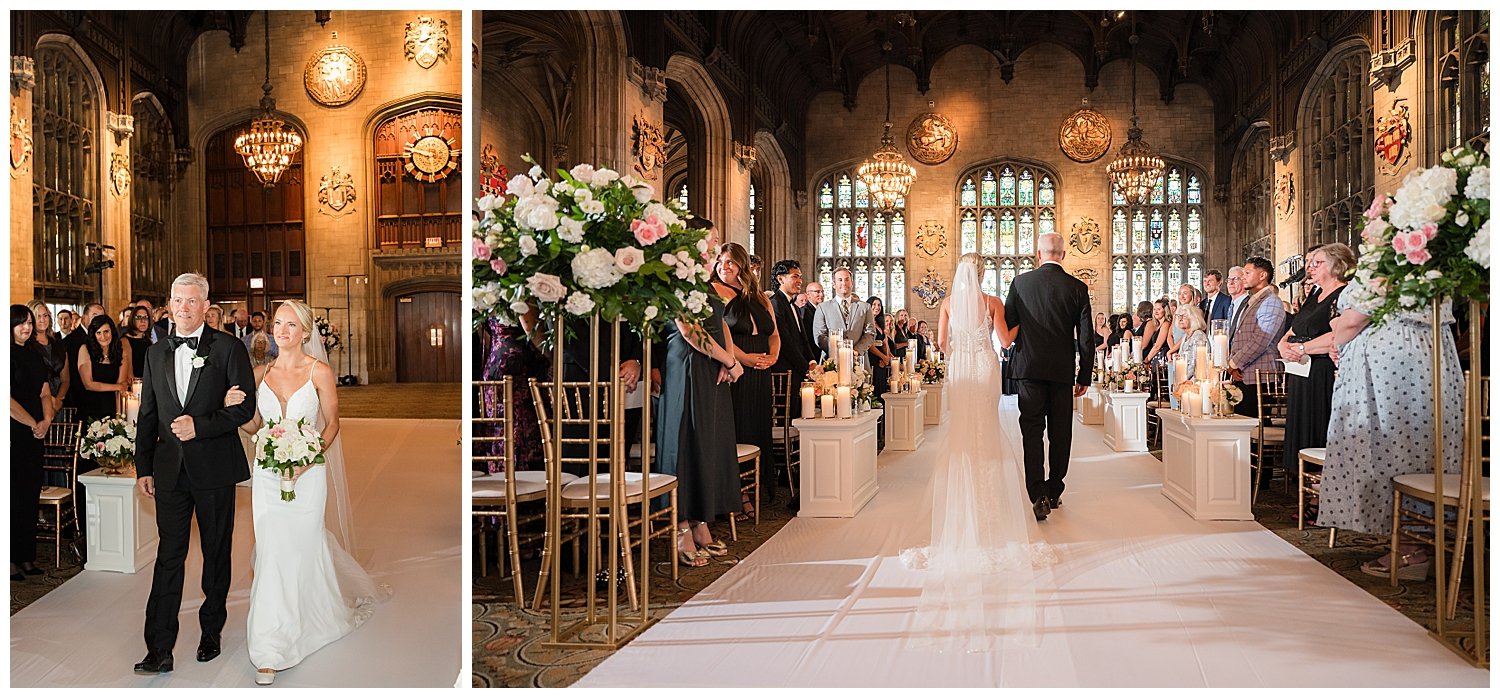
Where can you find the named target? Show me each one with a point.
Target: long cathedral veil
(979, 581)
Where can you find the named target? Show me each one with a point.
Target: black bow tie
(177, 341)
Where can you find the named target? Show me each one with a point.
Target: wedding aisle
(1142, 596)
(406, 491)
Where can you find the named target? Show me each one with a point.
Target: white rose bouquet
(110, 442)
(1431, 239)
(588, 241)
(285, 447)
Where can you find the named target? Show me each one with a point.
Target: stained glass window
(1015, 203)
(855, 234)
(1162, 245)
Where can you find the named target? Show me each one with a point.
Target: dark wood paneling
(428, 343)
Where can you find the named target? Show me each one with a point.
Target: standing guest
(1186, 296)
(1158, 331)
(214, 317)
(755, 269)
(1215, 305)
(30, 418)
(258, 327)
(1120, 329)
(104, 370)
(844, 313)
(814, 296)
(138, 334)
(756, 345)
(260, 349)
(241, 328)
(1101, 329)
(156, 333)
(1252, 342)
(53, 352)
(925, 335)
(1142, 320)
(1381, 421)
(695, 434)
(1234, 282)
(898, 336)
(1195, 334)
(74, 344)
(1309, 400)
(510, 352)
(793, 357)
(879, 353)
(65, 322)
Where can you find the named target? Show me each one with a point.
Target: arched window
(1158, 245)
(65, 114)
(1252, 188)
(756, 209)
(153, 160)
(1461, 79)
(853, 232)
(253, 232)
(418, 203)
(1002, 208)
(1338, 177)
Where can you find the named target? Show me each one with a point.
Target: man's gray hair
(192, 279)
(1050, 245)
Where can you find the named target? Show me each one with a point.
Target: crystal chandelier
(886, 172)
(1136, 170)
(268, 146)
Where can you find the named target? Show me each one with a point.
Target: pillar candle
(1179, 371)
(1099, 359)
(1221, 350)
(1200, 363)
(135, 388)
(845, 401)
(1205, 401)
(132, 407)
(809, 402)
(827, 406)
(846, 365)
(916, 385)
(1135, 349)
(1190, 404)
(1129, 385)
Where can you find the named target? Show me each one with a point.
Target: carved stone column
(22, 264)
(114, 207)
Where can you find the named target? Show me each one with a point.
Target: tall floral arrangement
(588, 240)
(1431, 239)
(330, 334)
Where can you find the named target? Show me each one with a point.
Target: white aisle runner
(1142, 596)
(406, 489)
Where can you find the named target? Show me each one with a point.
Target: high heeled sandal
(1409, 569)
(746, 512)
(696, 558)
(717, 547)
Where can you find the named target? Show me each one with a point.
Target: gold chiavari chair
(749, 484)
(497, 498)
(1309, 484)
(588, 498)
(1160, 400)
(60, 455)
(785, 442)
(1268, 439)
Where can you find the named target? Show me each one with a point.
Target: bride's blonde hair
(304, 316)
(974, 259)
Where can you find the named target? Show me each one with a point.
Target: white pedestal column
(1125, 421)
(1090, 407)
(121, 523)
(1206, 465)
(838, 464)
(935, 405)
(905, 414)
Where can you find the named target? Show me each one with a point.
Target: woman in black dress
(46, 341)
(104, 370)
(756, 344)
(30, 418)
(1119, 328)
(1309, 401)
(138, 334)
(879, 353)
(695, 432)
(511, 353)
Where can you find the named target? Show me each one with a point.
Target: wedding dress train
(978, 586)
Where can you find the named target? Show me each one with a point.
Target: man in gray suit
(843, 312)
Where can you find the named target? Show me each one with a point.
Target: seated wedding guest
(793, 357)
(1194, 334)
(65, 322)
(695, 432)
(104, 371)
(30, 418)
(138, 334)
(813, 292)
(1256, 324)
(509, 351)
(1158, 333)
(53, 352)
(757, 346)
(1381, 422)
(214, 317)
(1186, 295)
(1309, 399)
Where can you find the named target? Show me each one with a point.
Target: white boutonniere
(198, 362)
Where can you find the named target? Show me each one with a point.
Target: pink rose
(547, 288)
(1377, 207)
(1429, 231)
(629, 259)
(648, 231)
(1418, 256)
(481, 250)
(498, 264)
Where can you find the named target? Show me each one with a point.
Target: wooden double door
(429, 337)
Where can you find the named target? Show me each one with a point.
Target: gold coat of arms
(649, 147)
(119, 173)
(334, 76)
(931, 239)
(931, 138)
(1393, 137)
(1086, 235)
(336, 192)
(21, 142)
(1084, 135)
(1285, 196)
(427, 41)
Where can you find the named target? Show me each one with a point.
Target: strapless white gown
(296, 602)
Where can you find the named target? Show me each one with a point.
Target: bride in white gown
(307, 590)
(978, 586)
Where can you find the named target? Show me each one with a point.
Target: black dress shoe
(1054, 502)
(1040, 508)
(156, 662)
(208, 648)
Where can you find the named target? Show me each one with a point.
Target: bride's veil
(978, 582)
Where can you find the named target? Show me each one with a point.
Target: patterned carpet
(507, 641)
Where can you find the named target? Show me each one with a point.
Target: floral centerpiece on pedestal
(1223, 395)
(588, 241)
(932, 370)
(330, 334)
(1140, 373)
(110, 442)
(1431, 239)
(825, 380)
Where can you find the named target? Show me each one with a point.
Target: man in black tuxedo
(189, 458)
(1048, 310)
(793, 356)
(813, 294)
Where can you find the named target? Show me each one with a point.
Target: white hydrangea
(596, 268)
(536, 212)
(1478, 186)
(603, 177)
(662, 213)
(1479, 247)
(579, 303)
(1423, 196)
(570, 230)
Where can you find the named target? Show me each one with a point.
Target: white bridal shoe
(264, 677)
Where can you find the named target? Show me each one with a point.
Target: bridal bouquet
(285, 447)
(931, 370)
(110, 442)
(588, 241)
(1431, 239)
